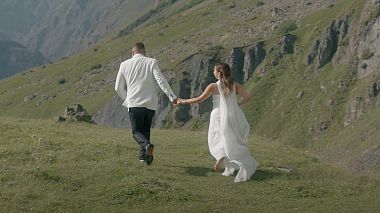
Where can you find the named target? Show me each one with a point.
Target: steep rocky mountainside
(60, 28)
(14, 57)
(312, 68)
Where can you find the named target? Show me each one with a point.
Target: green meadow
(71, 167)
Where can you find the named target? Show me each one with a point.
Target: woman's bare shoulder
(212, 87)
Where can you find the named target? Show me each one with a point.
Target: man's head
(138, 47)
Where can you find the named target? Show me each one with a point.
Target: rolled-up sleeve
(162, 82)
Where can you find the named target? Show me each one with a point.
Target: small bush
(96, 66)
(62, 81)
(364, 66)
(259, 3)
(216, 47)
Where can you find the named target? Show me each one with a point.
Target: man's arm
(120, 84)
(164, 85)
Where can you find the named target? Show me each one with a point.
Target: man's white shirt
(137, 80)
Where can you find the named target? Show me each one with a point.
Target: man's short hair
(139, 46)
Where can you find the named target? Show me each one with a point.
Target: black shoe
(142, 155)
(149, 153)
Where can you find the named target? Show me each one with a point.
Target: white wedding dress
(228, 136)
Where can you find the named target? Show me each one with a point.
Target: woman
(229, 129)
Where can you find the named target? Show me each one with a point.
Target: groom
(136, 84)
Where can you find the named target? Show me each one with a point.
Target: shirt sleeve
(120, 84)
(162, 83)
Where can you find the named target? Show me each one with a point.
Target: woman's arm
(210, 89)
(245, 96)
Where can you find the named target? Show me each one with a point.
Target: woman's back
(215, 101)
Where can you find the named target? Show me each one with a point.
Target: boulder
(76, 113)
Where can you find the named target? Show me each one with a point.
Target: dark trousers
(141, 121)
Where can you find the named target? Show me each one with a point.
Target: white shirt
(137, 80)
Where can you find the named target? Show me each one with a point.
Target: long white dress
(228, 136)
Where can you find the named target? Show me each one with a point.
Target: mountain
(312, 68)
(14, 57)
(57, 29)
(60, 28)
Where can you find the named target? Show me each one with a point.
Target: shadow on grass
(264, 174)
(196, 171)
(259, 175)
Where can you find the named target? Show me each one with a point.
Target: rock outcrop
(362, 104)
(324, 48)
(287, 44)
(198, 73)
(368, 161)
(254, 55)
(364, 50)
(75, 113)
(244, 60)
(369, 49)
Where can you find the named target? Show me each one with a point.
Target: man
(136, 84)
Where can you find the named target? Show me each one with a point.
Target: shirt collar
(138, 55)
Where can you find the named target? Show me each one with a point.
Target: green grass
(286, 27)
(70, 167)
(274, 112)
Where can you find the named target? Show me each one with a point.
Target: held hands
(178, 101)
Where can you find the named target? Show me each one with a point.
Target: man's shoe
(142, 155)
(149, 153)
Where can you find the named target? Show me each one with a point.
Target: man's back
(140, 82)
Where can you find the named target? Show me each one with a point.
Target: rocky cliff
(14, 57)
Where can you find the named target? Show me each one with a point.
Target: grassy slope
(277, 112)
(274, 112)
(161, 36)
(275, 96)
(67, 167)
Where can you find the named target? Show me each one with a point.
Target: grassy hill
(71, 167)
(179, 30)
(315, 120)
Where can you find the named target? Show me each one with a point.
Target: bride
(229, 129)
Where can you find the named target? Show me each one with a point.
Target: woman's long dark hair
(226, 79)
